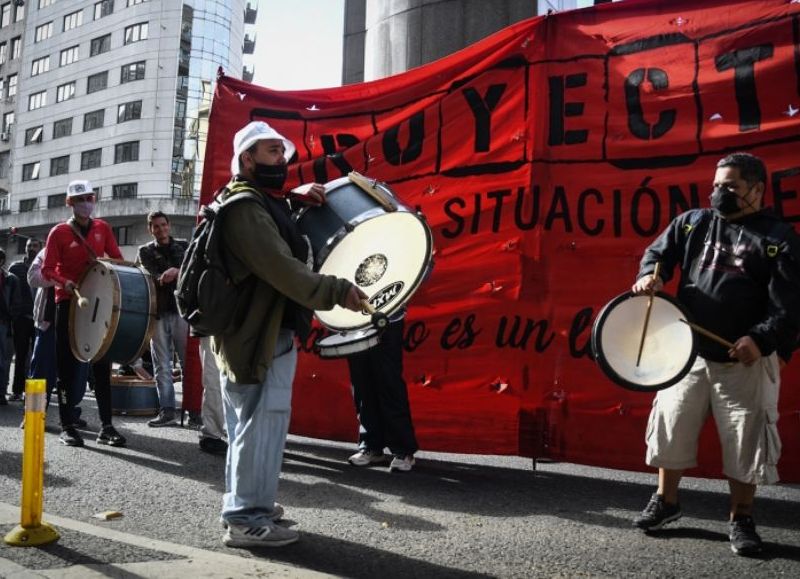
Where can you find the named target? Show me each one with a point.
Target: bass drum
(119, 319)
(370, 239)
(347, 343)
(669, 348)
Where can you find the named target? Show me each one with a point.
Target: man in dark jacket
(10, 307)
(23, 323)
(162, 258)
(740, 279)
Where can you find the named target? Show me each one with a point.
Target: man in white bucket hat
(267, 257)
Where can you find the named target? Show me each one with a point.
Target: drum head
(668, 352)
(93, 326)
(386, 257)
(347, 343)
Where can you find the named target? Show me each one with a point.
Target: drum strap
(79, 235)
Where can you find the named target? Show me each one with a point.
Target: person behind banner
(740, 279)
(267, 259)
(71, 248)
(10, 310)
(162, 258)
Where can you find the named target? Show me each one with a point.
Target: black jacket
(20, 269)
(156, 260)
(737, 277)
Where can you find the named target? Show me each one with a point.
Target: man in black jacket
(23, 323)
(740, 279)
(10, 305)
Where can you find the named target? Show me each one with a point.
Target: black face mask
(31, 253)
(725, 201)
(270, 176)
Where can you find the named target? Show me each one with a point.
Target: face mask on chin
(83, 209)
(270, 176)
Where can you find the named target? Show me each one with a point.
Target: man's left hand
(168, 276)
(745, 350)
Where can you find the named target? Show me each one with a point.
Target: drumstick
(708, 334)
(378, 319)
(656, 273)
(82, 301)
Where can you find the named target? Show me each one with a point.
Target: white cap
(252, 132)
(79, 187)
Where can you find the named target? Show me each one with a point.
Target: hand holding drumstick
(72, 288)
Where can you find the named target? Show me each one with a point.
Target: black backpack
(206, 295)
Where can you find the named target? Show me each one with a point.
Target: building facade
(112, 91)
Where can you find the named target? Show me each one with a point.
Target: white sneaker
(367, 457)
(270, 535)
(402, 463)
(274, 516)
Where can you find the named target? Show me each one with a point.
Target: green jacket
(260, 258)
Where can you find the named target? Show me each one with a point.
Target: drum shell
(666, 334)
(131, 322)
(134, 397)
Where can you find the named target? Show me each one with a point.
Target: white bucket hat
(252, 132)
(79, 187)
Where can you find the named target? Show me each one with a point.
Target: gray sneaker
(165, 417)
(366, 457)
(656, 514)
(270, 535)
(402, 463)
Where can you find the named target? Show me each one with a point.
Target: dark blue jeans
(381, 397)
(43, 367)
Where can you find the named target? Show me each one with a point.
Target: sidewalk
(93, 550)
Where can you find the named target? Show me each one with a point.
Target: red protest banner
(545, 159)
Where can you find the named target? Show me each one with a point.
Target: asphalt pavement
(453, 516)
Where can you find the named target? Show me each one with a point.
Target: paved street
(454, 516)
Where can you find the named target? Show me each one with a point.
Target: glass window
(19, 12)
(34, 135)
(37, 100)
(56, 201)
(16, 46)
(135, 33)
(124, 190)
(43, 32)
(69, 55)
(59, 165)
(4, 173)
(129, 111)
(93, 120)
(103, 8)
(5, 14)
(126, 152)
(27, 205)
(65, 92)
(91, 159)
(62, 128)
(3, 52)
(45, 3)
(30, 171)
(73, 20)
(100, 45)
(133, 71)
(134, 2)
(40, 65)
(11, 82)
(8, 122)
(97, 82)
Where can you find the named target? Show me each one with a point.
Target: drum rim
(372, 337)
(600, 357)
(414, 286)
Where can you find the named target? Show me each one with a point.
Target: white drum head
(386, 257)
(668, 346)
(91, 325)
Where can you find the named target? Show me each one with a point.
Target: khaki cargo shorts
(744, 403)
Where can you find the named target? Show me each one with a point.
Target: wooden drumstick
(378, 319)
(82, 301)
(708, 334)
(656, 273)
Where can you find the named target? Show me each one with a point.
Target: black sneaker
(165, 418)
(214, 446)
(81, 423)
(70, 437)
(657, 513)
(744, 539)
(109, 435)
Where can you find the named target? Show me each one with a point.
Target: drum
(668, 352)
(365, 235)
(119, 319)
(134, 397)
(347, 343)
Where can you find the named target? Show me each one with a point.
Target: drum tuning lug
(499, 385)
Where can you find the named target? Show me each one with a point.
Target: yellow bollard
(32, 531)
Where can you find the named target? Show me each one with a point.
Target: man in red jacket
(71, 249)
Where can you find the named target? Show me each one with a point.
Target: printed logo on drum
(371, 270)
(386, 295)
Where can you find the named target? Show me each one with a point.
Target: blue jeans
(169, 339)
(257, 418)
